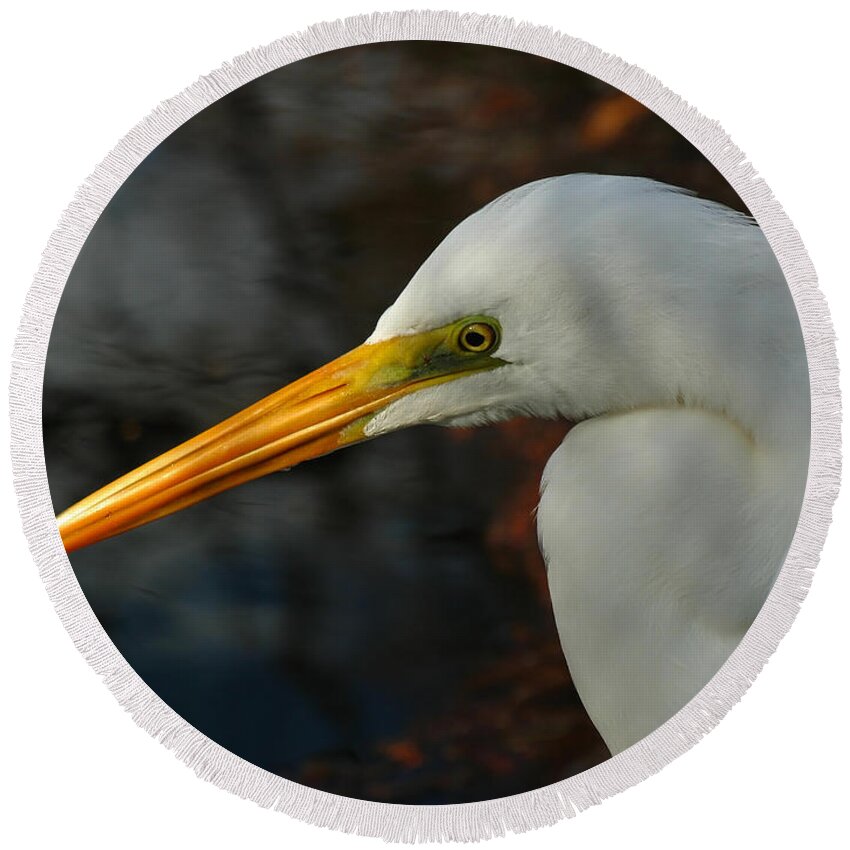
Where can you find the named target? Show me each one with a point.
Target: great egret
(658, 321)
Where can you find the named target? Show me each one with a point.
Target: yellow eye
(478, 337)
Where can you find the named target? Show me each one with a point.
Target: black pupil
(475, 339)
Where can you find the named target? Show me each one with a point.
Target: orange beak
(315, 415)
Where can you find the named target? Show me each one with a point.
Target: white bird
(658, 321)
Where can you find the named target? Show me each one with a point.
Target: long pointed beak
(315, 415)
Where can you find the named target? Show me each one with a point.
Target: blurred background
(375, 623)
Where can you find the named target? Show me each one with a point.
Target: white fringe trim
(470, 821)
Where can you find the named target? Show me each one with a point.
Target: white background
(77, 76)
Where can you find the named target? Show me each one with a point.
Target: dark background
(375, 623)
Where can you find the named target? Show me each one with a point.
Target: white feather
(662, 323)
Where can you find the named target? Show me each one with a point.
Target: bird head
(453, 349)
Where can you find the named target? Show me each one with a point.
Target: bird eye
(477, 337)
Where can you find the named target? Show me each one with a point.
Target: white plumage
(663, 324)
